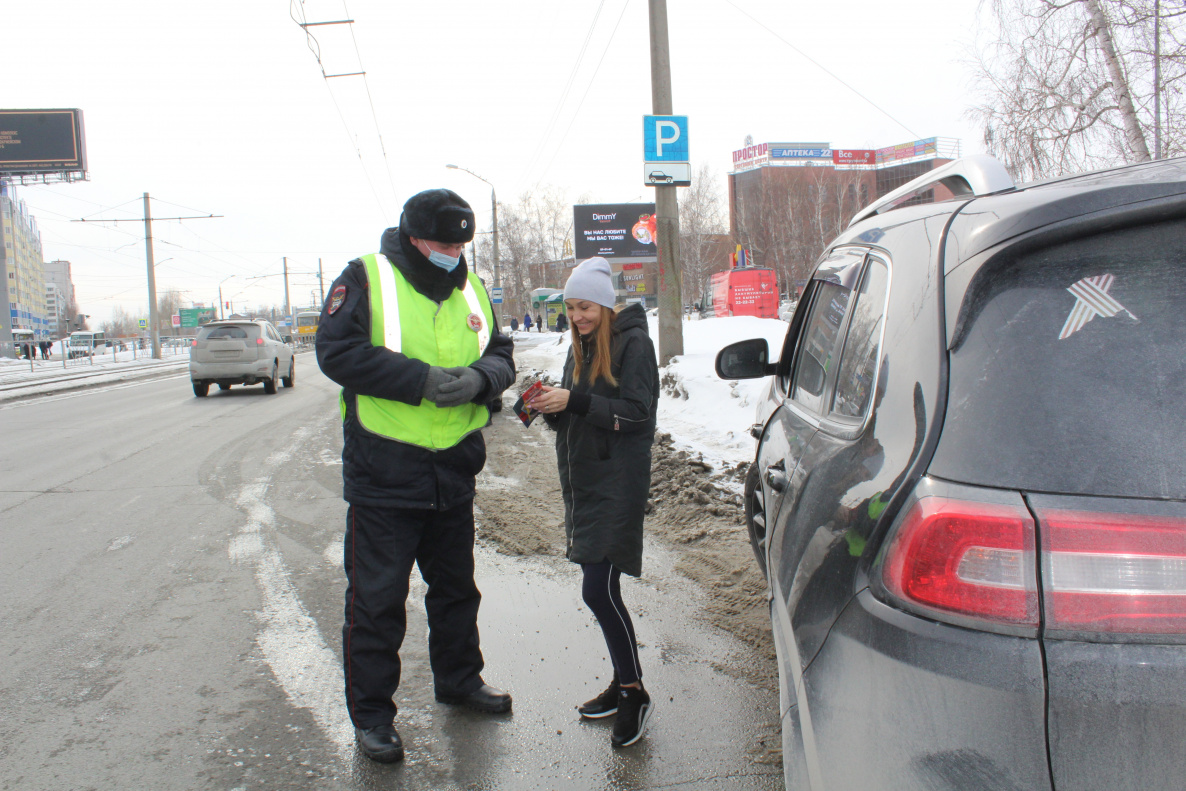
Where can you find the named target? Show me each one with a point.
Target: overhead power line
(585, 95)
(297, 6)
(821, 67)
(539, 149)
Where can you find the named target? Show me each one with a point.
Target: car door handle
(776, 478)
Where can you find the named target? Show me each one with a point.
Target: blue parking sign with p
(665, 138)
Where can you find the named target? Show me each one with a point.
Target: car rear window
(224, 333)
(1069, 370)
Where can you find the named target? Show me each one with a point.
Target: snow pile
(703, 413)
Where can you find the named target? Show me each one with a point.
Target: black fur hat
(439, 216)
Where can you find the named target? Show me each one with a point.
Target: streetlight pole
(494, 215)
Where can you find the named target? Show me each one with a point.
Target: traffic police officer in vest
(409, 334)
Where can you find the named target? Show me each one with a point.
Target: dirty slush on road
(694, 509)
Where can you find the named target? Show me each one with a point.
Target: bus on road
(306, 326)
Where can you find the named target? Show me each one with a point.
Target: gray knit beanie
(592, 280)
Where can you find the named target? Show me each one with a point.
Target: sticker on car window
(1092, 299)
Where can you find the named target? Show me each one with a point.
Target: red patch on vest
(474, 321)
(336, 299)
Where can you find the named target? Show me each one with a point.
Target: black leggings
(602, 591)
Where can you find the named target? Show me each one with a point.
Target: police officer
(409, 334)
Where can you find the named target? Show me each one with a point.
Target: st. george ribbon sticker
(1092, 299)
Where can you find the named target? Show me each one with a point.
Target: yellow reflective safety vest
(453, 333)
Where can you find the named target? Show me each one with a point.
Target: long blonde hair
(601, 366)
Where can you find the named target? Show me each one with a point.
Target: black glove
(437, 377)
(462, 387)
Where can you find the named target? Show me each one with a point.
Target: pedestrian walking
(527, 322)
(539, 323)
(514, 323)
(605, 414)
(409, 334)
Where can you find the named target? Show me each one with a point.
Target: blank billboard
(41, 141)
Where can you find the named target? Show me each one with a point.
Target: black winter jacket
(604, 455)
(380, 471)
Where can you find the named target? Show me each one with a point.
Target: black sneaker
(604, 704)
(634, 709)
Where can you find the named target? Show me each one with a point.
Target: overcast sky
(220, 108)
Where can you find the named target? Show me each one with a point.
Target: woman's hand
(550, 400)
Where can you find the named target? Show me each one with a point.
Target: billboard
(800, 150)
(853, 156)
(41, 141)
(195, 317)
(614, 230)
(751, 156)
(915, 148)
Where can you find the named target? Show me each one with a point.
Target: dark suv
(969, 495)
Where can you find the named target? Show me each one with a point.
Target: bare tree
(787, 219)
(72, 313)
(169, 304)
(121, 324)
(1069, 85)
(533, 234)
(701, 222)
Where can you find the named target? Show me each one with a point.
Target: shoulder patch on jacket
(336, 299)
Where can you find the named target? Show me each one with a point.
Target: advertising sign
(751, 156)
(800, 150)
(614, 230)
(915, 148)
(665, 138)
(195, 317)
(41, 141)
(853, 156)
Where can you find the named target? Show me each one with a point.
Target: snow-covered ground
(702, 412)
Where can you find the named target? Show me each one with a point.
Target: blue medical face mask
(446, 262)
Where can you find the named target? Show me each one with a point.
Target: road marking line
(307, 670)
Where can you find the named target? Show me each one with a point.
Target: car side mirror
(745, 360)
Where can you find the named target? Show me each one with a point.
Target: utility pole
(671, 331)
(287, 311)
(152, 306)
(320, 283)
(154, 329)
(497, 278)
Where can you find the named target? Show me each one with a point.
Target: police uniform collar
(423, 275)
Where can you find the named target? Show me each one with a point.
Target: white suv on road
(244, 352)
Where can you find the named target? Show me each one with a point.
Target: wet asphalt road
(171, 595)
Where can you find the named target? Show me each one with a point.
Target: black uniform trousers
(381, 546)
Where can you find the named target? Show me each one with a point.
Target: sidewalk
(50, 376)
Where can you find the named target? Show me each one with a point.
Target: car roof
(988, 221)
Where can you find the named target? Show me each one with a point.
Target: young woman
(604, 414)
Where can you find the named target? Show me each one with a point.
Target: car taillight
(970, 559)
(259, 341)
(194, 342)
(1118, 573)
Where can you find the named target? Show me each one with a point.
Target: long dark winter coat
(604, 456)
